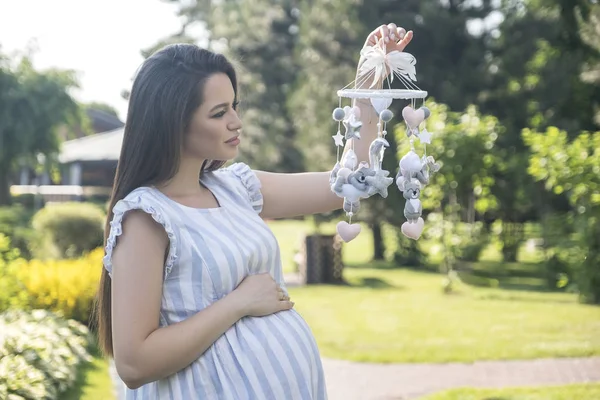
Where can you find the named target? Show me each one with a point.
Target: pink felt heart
(413, 230)
(346, 231)
(413, 117)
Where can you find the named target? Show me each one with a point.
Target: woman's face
(213, 133)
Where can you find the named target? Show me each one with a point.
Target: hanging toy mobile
(355, 181)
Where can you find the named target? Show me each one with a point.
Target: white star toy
(379, 183)
(425, 136)
(339, 139)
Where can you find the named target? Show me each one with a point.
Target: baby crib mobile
(355, 181)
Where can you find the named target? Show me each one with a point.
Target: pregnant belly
(270, 357)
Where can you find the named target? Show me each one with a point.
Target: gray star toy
(379, 183)
(352, 128)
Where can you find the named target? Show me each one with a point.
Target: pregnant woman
(192, 303)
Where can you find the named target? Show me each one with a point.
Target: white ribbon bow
(375, 58)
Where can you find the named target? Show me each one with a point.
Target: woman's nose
(235, 124)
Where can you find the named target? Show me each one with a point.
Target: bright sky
(99, 39)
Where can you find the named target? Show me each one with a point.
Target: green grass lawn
(396, 315)
(569, 392)
(93, 382)
(290, 233)
(387, 314)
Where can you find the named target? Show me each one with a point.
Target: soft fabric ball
(386, 115)
(338, 114)
(426, 111)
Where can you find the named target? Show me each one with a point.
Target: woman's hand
(382, 41)
(259, 295)
(393, 37)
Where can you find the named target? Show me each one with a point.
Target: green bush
(15, 224)
(512, 235)
(40, 354)
(28, 201)
(473, 240)
(475, 280)
(67, 230)
(556, 273)
(100, 200)
(587, 272)
(11, 290)
(408, 254)
(12, 216)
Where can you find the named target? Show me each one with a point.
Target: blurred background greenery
(512, 237)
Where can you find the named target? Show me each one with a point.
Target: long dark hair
(165, 94)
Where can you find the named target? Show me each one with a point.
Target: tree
(590, 35)
(535, 61)
(463, 143)
(33, 106)
(260, 37)
(573, 167)
(332, 33)
(330, 38)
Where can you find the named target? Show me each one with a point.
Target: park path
(350, 381)
(347, 380)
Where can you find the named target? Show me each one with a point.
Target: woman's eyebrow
(219, 106)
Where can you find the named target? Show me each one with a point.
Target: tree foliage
(573, 167)
(494, 67)
(33, 106)
(260, 38)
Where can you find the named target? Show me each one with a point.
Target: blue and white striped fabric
(211, 251)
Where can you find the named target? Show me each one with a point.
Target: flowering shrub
(39, 354)
(67, 287)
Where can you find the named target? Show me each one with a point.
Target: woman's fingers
(400, 33)
(286, 305)
(405, 40)
(375, 36)
(384, 33)
(392, 32)
(282, 295)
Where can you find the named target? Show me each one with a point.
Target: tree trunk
(5, 198)
(512, 236)
(471, 216)
(588, 274)
(378, 245)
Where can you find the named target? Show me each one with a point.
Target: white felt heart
(413, 117)
(347, 112)
(346, 231)
(380, 104)
(413, 230)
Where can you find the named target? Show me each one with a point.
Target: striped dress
(210, 252)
